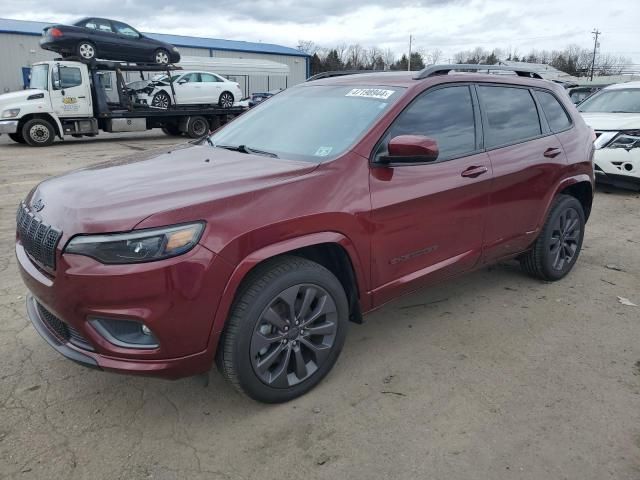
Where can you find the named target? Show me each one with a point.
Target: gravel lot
(492, 376)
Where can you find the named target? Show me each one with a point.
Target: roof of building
(27, 27)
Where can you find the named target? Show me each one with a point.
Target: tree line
(573, 59)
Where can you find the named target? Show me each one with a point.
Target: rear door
(101, 34)
(429, 218)
(527, 161)
(211, 87)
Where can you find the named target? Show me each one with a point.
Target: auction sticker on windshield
(370, 93)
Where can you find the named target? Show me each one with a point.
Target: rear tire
(198, 127)
(226, 100)
(38, 132)
(86, 50)
(557, 248)
(17, 137)
(285, 331)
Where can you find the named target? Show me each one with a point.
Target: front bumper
(8, 126)
(618, 167)
(176, 298)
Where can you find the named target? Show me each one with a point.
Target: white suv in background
(191, 88)
(614, 114)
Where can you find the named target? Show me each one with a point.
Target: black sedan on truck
(91, 38)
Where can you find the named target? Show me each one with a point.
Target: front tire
(38, 132)
(226, 100)
(161, 100)
(557, 248)
(286, 330)
(86, 50)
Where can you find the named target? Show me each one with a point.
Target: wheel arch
(331, 249)
(580, 187)
(54, 120)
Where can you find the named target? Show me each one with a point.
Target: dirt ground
(492, 376)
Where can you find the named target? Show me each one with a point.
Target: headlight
(626, 139)
(10, 113)
(138, 246)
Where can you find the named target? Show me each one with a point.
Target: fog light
(125, 333)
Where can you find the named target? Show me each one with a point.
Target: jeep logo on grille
(38, 205)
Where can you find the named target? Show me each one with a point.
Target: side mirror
(182, 82)
(410, 149)
(55, 77)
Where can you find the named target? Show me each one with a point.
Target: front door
(429, 219)
(70, 91)
(189, 89)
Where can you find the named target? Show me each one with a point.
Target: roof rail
(338, 73)
(433, 70)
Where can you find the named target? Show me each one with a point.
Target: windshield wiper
(244, 149)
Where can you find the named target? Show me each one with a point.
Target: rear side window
(446, 115)
(207, 77)
(511, 115)
(557, 117)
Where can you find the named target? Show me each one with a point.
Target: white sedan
(614, 114)
(191, 88)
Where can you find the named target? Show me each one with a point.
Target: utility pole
(409, 61)
(596, 33)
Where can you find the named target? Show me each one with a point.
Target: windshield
(613, 101)
(311, 123)
(39, 77)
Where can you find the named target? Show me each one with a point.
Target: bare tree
(433, 56)
(388, 58)
(307, 46)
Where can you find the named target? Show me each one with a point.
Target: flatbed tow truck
(69, 97)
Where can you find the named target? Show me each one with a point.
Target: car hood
(116, 196)
(16, 98)
(612, 121)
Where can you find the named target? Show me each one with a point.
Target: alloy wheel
(294, 335)
(161, 100)
(86, 50)
(226, 100)
(162, 57)
(564, 238)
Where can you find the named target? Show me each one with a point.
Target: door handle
(473, 172)
(82, 96)
(552, 152)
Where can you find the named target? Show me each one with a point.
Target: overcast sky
(450, 26)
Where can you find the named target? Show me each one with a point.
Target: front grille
(64, 332)
(38, 239)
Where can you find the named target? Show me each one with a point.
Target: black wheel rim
(294, 335)
(161, 101)
(199, 128)
(226, 100)
(565, 236)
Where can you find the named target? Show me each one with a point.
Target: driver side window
(445, 115)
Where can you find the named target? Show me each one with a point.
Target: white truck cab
(58, 91)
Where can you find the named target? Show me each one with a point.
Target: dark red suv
(259, 245)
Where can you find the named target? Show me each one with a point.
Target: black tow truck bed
(128, 115)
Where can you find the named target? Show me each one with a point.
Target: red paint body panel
(402, 227)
